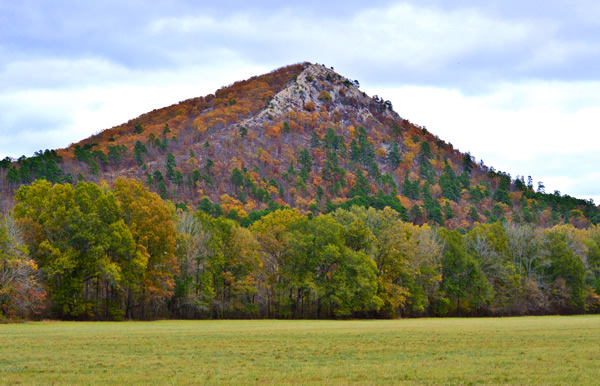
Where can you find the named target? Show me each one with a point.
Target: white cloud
(557, 52)
(52, 73)
(406, 37)
(430, 37)
(401, 43)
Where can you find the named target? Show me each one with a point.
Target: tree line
(98, 252)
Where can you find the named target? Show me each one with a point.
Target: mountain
(301, 136)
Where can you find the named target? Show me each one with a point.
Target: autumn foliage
(301, 138)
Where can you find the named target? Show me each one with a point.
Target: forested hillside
(305, 137)
(291, 194)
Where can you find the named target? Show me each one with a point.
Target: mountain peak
(319, 88)
(306, 137)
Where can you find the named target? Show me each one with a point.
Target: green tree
(139, 150)
(464, 180)
(5, 163)
(178, 178)
(272, 233)
(305, 160)
(158, 176)
(473, 215)
(315, 140)
(407, 258)
(320, 265)
(209, 165)
(115, 152)
(153, 230)
(13, 175)
(393, 155)
(425, 153)
(468, 163)
(164, 144)
(566, 273)
(449, 184)
(333, 142)
(501, 195)
(463, 281)
(162, 190)
(432, 206)
(489, 245)
(170, 166)
(361, 185)
(355, 151)
(194, 290)
(593, 255)
(416, 214)
(448, 212)
(411, 189)
(219, 260)
(237, 178)
(138, 129)
(81, 244)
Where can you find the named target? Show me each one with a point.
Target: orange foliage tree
(153, 230)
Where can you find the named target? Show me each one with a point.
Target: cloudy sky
(515, 83)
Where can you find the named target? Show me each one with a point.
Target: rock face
(318, 87)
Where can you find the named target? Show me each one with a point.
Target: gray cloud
(401, 43)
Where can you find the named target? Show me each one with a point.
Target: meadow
(549, 349)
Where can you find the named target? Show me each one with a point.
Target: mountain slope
(306, 137)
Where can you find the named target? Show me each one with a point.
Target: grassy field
(504, 350)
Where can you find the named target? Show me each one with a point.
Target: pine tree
(393, 156)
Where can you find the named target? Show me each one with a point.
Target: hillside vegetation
(305, 137)
(291, 194)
